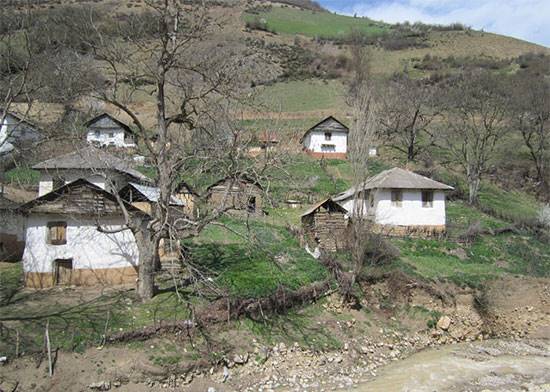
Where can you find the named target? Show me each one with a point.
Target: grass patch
(22, 176)
(302, 95)
(257, 261)
(288, 20)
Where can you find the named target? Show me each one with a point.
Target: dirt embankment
(398, 318)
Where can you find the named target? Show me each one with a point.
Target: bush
(258, 24)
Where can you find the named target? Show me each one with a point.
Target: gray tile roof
(93, 159)
(396, 178)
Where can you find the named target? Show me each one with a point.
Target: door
(251, 207)
(63, 271)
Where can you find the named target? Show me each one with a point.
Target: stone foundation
(84, 277)
(411, 231)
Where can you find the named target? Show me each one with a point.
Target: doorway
(251, 207)
(63, 269)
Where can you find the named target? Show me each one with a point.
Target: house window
(396, 198)
(97, 134)
(57, 233)
(328, 148)
(427, 199)
(111, 135)
(328, 136)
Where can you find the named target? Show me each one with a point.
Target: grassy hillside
(289, 20)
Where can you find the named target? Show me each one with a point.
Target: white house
(399, 202)
(64, 245)
(328, 138)
(16, 133)
(97, 166)
(105, 130)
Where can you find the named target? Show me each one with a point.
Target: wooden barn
(238, 194)
(326, 224)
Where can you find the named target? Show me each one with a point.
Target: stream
(492, 365)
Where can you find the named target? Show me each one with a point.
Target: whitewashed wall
(89, 248)
(112, 181)
(411, 212)
(315, 139)
(105, 139)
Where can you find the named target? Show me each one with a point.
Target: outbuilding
(399, 202)
(236, 194)
(326, 226)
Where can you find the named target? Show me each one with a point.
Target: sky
(525, 19)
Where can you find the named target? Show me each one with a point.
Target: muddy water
(495, 365)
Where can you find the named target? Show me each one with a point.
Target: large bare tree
(475, 105)
(407, 112)
(530, 109)
(166, 58)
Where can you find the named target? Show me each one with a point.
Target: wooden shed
(241, 194)
(326, 224)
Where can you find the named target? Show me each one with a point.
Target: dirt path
(496, 365)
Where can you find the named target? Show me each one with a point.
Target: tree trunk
(473, 188)
(147, 243)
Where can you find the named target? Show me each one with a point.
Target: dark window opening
(251, 206)
(397, 198)
(427, 199)
(328, 136)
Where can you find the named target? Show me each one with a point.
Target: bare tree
(407, 112)
(362, 101)
(530, 109)
(194, 84)
(475, 107)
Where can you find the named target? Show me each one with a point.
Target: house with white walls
(76, 235)
(105, 130)
(16, 133)
(326, 139)
(399, 202)
(97, 166)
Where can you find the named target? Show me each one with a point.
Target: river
(493, 365)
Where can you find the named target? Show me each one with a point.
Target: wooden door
(63, 271)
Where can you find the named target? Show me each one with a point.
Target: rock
(460, 253)
(100, 386)
(188, 378)
(444, 323)
(240, 359)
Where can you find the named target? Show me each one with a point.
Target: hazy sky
(525, 19)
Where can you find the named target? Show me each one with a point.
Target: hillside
(275, 315)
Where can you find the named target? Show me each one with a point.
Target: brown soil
(369, 340)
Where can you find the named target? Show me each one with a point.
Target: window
(328, 136)
(328, 148)
(111, 135)
(57, 233)
(396, 198)
(427, 199)
(97, 134)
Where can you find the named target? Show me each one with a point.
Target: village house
(328, 139)
(105, 130)
(76, 235)
(97, 166)
(399, 202)
(12, 222)
(236, 194)
(325, 226)
(16, 133)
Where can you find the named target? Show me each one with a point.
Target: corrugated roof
(396, 178)
(152, 194)
(91, 158)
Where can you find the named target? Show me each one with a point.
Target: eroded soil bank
(494, 340)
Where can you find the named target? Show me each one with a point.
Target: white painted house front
(105, 130)
(400, 201)
(95, 165)
(328, 138)
(64, 245)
